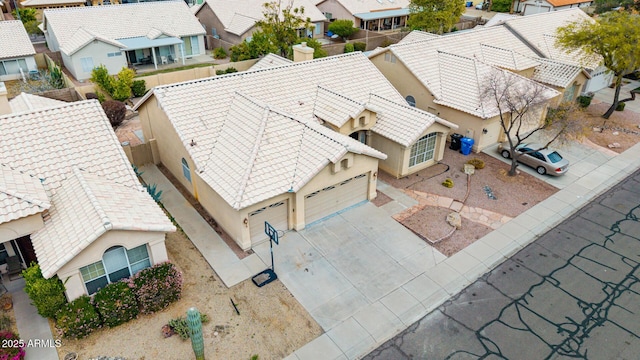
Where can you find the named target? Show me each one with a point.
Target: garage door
(334, 198)
(275, 214)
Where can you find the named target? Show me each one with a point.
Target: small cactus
(195, 329)
(447, 183)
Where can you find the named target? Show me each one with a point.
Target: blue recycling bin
(469, 3)
(466, 145)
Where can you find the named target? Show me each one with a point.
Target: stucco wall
(20, 227)
(337, 10)
(31, 65)
(98, 51)
(209, 19)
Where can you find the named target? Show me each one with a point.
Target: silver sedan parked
(545, 161)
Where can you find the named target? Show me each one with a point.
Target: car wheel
(541, 170)
(506, 154)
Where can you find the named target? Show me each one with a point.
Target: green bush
(181, 327)
(56, 79)
(157, 287)
(620, 106)
(348, 47)
(447, 183)
(343, 28)
(100, 76)
(78, 318)
(219, 53)
(584, 101)
(228, 70)
(5, 322)
(47, 295)
(359, 46)
(122, 85)
(477, 163)
(139, 88)
(116, 303)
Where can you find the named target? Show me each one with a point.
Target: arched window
(411, 101)
(117, 263)
(423, 149)
(185, 169)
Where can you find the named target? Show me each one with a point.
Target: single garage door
(275, 214)
(334, 198)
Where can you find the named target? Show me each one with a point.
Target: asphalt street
(573, 293)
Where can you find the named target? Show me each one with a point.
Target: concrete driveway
(360, 274)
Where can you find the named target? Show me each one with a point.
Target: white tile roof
(198, 109)
(556, 73)
(539, 31)
(270, 60)
(499, 18)
(334, 108)
(28, 3)
(14, 40)
(21, 195)
(239, 16)
(28, 102)
(85, 207)
(417, 35)
(364, 6)
(273, 154)
(113, 22)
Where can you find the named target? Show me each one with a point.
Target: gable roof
(14, 40)
(270, 60)
(557, 73)
(240, 16)
(199, 110)
(21, 195)
(29, 102)
(418, 35)
(75, 27)
(365, 6)
(558, 3)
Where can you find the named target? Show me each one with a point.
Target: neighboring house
(235, 21)
(446, 76)
(16, 52)
(69, 198)
(374, 15)
(118, 36)
(290, 144)
(270, 60)
(539, 33)
(41, 5)
(565, 78)
(530, 7)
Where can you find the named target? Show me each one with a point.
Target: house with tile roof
(289, 144)
(69, 198)
(16, 51)
(118, 36)
(270, 60)
(235, 21)
(41, 5)
(373, 15)
(530, 7)
(446, 76)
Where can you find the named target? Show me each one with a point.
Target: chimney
(4, 100)
(302, 52)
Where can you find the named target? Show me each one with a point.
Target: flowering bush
(12, 347)
(47, 294)
(78, 318)
(156, 287)
(116, 304)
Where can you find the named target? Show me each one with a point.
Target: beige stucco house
(290, 143)
(373, 15)
(118, 36)
(16, 51)
(234, 21)
(41, 5)
(69, 198)
(530, 7)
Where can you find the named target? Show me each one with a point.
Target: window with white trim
(117, 263)
(423, 150)
(87, 64)
(185, 170)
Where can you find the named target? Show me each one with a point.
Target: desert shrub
(228, 70)
(55, 78)
(386, 43)
(219, 53)
(78, 318)
(477, 163)
(5, 322)
(620, 106)
(100, 76)
(115, 111)
(116, 304)
(138, 88)
(47, 295)
(11, 352)
(156, 287)
(348, 47)
(584, 101)
(359, 46)
(447, 183)
(181, 327)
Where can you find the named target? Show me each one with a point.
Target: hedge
(78, 318)
(47, 295)
(116, 303)
(156, 287)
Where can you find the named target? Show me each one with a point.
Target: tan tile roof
(28, 3)
(28, 102)
(558, 3)
(539, 31)
(197, 108)
(14, 40)
(115, 22)
(270, 60)
(364, 6)
(556, 73)
(21, 195)
(85, 207)
(274, 153)
(239, 16)
(418, 35)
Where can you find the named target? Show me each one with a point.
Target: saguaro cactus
(195, 329)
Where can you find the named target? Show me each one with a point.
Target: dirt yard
(625, 123)
(271, 324)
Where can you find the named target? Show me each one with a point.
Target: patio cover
(143, 42)
(375, 15)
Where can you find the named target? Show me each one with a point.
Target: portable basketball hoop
(268, 275)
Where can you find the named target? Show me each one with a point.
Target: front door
(26, 248)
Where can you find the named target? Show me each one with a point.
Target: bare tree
(521, 104)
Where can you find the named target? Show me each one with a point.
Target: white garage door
(275, 214)
(334, 198)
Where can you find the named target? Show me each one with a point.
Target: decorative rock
(215, 333)
(615, 133)
(454, 219)
(613, 145)
(469, 169)
(597, 129)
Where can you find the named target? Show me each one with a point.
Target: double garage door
(275, 214)
(331, 199)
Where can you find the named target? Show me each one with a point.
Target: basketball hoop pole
(271, 249)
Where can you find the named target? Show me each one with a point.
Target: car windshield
(554, 157)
